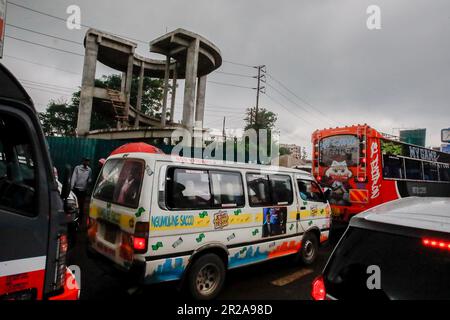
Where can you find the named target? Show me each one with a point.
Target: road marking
(291, 277)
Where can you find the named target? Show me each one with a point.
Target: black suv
(399, 250)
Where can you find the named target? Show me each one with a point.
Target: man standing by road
(81, 178)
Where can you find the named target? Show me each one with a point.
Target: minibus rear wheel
(310, 248)
(206, 277)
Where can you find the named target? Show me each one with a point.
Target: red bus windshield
(339, 149)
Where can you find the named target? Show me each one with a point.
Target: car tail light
(318, 289)
(60, 272)
(140, 239)
(434, 243)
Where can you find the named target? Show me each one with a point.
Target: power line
(299, 98)
(41, 65)
(231, 85)
(45, 46)
(63, 19)
(239, 64)
(81, 55)
(53, 86)
(236, 74)
(281, 105)
(300, 106)
(45, 34)
(45, 90)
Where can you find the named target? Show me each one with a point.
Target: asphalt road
(279, 279)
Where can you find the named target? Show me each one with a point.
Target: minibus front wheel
(206, 277)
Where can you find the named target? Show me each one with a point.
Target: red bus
(363, 168)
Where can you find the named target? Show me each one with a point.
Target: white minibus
(173, 218)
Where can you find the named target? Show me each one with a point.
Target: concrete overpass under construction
(188, 56)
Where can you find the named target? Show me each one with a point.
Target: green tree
(265, 119)
(284, 151)
(60, 118)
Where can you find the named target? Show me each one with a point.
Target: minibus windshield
(120, 182)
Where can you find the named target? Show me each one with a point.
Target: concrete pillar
(129, 79)
(139, 95)
(165, 91)
(123, 83)
(174, 94)
(200, 103)
(87, 86)
(189, 85)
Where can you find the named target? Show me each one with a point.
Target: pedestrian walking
(81, 178)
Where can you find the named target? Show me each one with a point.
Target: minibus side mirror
(66, 185)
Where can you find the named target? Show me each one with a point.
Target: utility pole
(223, 129)
(260, 89)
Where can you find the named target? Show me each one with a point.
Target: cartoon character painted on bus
(337, 178)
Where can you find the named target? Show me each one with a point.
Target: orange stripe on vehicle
(359, 195)
(285, 248)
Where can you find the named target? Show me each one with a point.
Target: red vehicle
(33, 223)
(363, 168)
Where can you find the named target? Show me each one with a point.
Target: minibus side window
(281, 188)
(310, 191)
(188, 189)
(258, 190)
(227, 189)
(17, 168)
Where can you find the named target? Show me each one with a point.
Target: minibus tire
(211, 265)
(310, 249)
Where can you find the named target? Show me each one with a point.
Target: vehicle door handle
(302, 208)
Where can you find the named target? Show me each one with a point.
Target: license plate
(110, 233)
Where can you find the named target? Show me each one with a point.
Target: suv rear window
(408, 269)
(120, 182)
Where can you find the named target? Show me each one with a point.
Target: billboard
(445, 135)
(2, 25)
(414, 136)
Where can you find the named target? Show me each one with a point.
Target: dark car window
(281, 188)
(17, 167)
(258, 190)
(310, 191)
(188, 189)
(408, 269)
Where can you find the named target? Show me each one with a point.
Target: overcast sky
(396, 77)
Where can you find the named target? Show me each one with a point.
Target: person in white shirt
(81, 178)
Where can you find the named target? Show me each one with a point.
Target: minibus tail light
(139, 244)
(60, 272)
(140, 239)
(318, 289)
